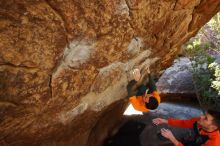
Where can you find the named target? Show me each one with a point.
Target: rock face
(64, 64)
(177, 81)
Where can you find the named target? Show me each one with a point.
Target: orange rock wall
(64, 64)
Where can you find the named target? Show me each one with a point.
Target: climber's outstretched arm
(136, 76)
(129, 88)
(151, 84)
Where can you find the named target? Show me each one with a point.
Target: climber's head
(150, 101)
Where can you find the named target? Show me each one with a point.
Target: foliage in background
(203, 50)
(211, 32)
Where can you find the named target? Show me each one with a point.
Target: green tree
(206, 74)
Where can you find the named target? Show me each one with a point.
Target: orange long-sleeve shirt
(138, 101)
(214, 137)
(139, 104)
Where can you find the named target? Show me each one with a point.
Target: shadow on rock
(128, 135)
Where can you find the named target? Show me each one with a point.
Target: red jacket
(214, 137)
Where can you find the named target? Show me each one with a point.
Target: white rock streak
(79, 52)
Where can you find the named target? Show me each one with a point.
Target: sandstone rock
(64, 64)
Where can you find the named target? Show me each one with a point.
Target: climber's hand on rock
(147, 70)
(136, 74)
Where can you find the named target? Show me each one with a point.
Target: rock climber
(147, 98)
(205, 129)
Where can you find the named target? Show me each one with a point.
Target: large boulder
(177, 82)
(64, 64)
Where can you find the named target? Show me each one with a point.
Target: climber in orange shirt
(206, 129)
(147, 97)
